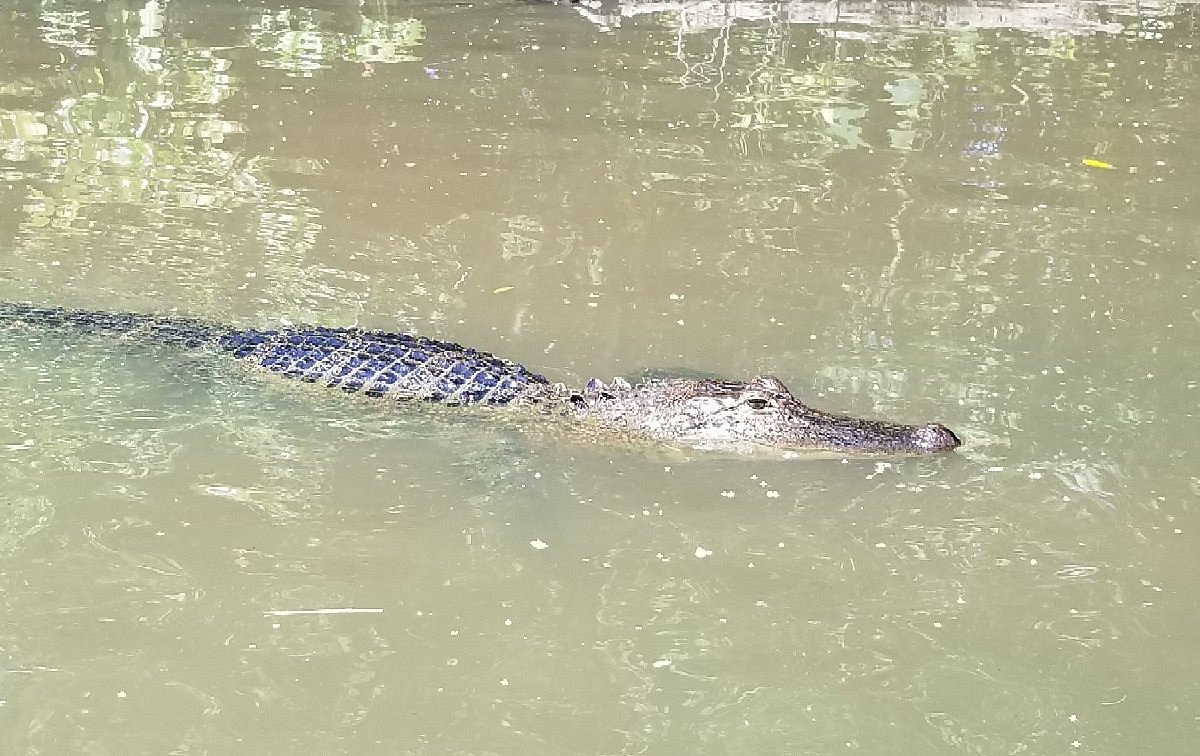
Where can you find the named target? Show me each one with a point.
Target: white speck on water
(728, 494)
(702, 552)
(772, 494)
(539, 544)
(660, 663)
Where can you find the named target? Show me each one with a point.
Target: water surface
(980, 214)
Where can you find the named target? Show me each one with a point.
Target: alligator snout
(935, 437)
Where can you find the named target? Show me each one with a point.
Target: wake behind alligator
(705, 414)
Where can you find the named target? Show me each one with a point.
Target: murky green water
(981, 214)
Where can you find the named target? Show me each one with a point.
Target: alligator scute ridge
(708, 414)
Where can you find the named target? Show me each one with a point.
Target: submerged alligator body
(707, 414)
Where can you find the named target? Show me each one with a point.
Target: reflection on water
(975, 212)
(299, 41)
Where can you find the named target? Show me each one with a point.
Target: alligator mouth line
(863, 436)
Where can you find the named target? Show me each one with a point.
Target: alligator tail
(184, 332)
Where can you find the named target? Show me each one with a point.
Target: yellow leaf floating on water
(503, 289)
(1093, 163)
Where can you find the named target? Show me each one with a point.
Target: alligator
(744, 416)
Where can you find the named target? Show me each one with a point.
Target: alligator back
(378, 363)
(375, 363)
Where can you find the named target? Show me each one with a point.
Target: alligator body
(708, 414)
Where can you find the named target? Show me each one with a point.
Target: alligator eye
(757, 402)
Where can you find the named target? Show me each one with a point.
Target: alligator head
(744, 416)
